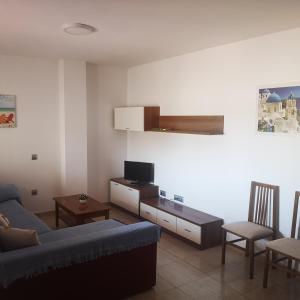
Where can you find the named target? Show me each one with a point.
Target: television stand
(138, 183)
(128, 195)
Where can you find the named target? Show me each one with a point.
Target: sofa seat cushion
(76, 231)
(248, 230)
(19, 217)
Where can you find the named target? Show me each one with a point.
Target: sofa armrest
(34, 260)
(9, 192)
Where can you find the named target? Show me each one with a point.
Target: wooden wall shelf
(208, 125)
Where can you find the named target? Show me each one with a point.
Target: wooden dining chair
(287, 248)
(262, 221)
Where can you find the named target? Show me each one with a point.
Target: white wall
(64, 114)
(213, 173)
(106, 89)
(73, 122)
(34, 82)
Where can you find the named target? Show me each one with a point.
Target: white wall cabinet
(129, 118)
(136, 118)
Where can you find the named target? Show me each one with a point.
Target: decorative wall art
(279, 109)
(7, 111)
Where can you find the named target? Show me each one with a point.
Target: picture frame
(279, 109)
(8, 111)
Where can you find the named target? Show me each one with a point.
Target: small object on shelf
(83, 198)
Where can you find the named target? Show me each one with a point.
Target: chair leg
(251, 254)
(274, 254)
(266, 271)
(224, 237)
(290, 262)
(247, 249)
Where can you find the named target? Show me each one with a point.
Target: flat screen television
(140, 172)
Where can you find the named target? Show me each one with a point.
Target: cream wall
(35, 83)
(73, 126)
(106, 89)
(213, 173)
(65, 115)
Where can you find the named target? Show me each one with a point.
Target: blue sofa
(118, 259)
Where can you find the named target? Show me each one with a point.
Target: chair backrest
(295, 233)
(264, 205)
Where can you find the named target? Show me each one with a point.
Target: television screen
(139, 171)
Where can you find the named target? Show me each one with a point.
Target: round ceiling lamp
(78, 29)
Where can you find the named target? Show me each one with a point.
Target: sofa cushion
(19, 217)
(4, 221)
(9, 192)
(16, 238)
(76, 231)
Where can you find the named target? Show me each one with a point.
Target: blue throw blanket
(87, 245)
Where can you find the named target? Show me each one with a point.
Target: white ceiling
(134, 32)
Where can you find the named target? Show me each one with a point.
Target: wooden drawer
(115, 193)
(125, 197)
(166, 220)
(148, 212)
(189, 230)
(131, 199)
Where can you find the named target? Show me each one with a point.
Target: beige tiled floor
(184, 272)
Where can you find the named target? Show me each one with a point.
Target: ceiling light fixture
(78, 29)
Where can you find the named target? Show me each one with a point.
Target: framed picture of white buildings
(279, 109)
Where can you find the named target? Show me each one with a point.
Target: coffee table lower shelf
(70, 221)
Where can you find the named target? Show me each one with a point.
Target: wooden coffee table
(72, 212)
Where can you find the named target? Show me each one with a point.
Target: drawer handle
(187, 230)
(166, 220)
(116, 184)
(129, 189)
(147, 212)
(127, 128)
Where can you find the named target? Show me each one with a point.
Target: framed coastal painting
(279, 109)
(7, 111)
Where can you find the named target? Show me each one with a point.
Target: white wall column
(73, 123)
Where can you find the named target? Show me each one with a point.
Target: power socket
(34, 192)
(34, 157)
(178, 198)
(163, 193)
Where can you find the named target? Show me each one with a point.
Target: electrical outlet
(34, 157)
(34, 192)
(178, 198)
(163, 193)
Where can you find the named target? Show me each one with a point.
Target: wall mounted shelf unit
(148, 118)
(208, 125)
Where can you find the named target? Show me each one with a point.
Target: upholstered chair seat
(248, 230)
(286, 246)
(262, 222)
